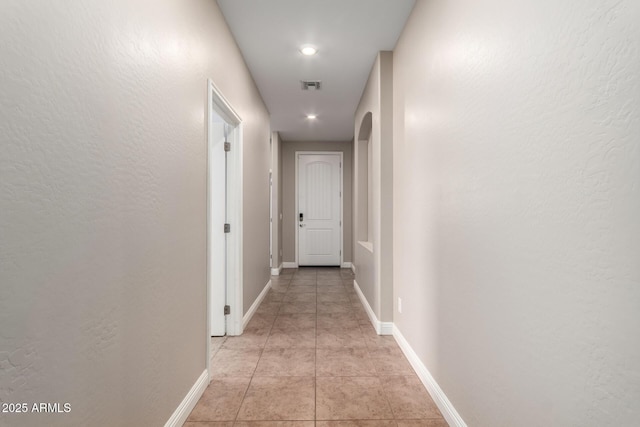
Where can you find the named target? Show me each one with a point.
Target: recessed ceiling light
(311, 116)
(308, 50)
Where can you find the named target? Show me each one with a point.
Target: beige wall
(280, 204)
(256, 161)
(103, 203)
(288, 192)
(516, 204)
(374, 264)
(276, 228)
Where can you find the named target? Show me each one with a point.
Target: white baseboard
(448, 411)
(276, 271)
(353, 268)
(346, 265)
(290, 265)
(183, 410)
(382, 328)
(252, 310)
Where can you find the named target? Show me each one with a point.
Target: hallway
(489, 192)
(310, 353)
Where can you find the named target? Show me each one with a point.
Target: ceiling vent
(310, 84)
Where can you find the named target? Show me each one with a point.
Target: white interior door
(224, 206)
(319, 212)
(217, 218)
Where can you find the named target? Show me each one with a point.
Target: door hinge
(227, 310)
(227, 146)
(227, 228)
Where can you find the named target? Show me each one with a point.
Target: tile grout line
(244, 396)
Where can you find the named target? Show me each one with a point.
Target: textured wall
(276, 226)
(102, 202)
(517, 199)
(280, 201)
(374, 272)
(289, 222)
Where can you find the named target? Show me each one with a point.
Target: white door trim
(218, 103)
(271, 219)
(296, 213)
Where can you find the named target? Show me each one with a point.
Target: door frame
(296, 210)
(218, 103)
(270, 218)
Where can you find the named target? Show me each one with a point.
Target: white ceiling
(348, 35)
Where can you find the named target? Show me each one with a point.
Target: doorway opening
(319, 209)
(224, 218)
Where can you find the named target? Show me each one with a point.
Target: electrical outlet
(399, 305)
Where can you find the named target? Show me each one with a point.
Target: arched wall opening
(364, 208)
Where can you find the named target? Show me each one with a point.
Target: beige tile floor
(310, 357)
